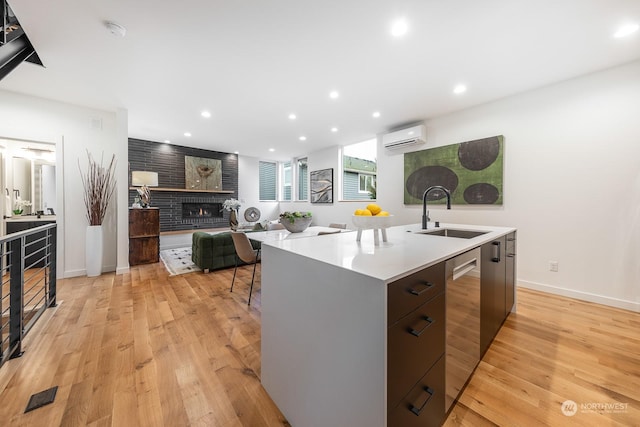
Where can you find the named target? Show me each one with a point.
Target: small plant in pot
(295, 222)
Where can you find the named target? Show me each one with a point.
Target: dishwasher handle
(464, 268)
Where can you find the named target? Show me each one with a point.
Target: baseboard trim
(122, 270)
(583, 296)
(174, 246)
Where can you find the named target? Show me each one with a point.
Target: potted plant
(99, 184)
(295, 222)
(19, 205)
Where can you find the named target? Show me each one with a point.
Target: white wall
(248, 191)
(73, 129)
(571, 183)
(326, 213)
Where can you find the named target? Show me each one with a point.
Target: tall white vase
(93, 250)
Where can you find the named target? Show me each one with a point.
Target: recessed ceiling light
(376, 114)
(187, 134)
(205, 114)
(459, 89)
(272, 149)
(303, 138)
(399, 28)
(626, 30)
(292, 116)
(334, 94)
(334, 129)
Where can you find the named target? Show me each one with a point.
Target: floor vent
(41, 399)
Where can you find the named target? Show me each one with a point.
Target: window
(367, 183)
(286, 181)
(303, 179)
(359, 170)
(268, 182)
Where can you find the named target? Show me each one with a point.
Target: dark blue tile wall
(168, 161)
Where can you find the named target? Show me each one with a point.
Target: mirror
(28, 170)
(21, 173)
(44, 186)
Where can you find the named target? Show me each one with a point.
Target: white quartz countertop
(406, 250)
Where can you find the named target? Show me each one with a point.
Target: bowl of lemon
(372, 217)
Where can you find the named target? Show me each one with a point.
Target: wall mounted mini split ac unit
(405, 137)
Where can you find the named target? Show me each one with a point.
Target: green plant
(292, 216)
(99, 184)
(372, 191)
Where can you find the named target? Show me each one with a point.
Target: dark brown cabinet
(423, 406)
(144, 236)
(415, 349)
(510, 284)
(497, 294)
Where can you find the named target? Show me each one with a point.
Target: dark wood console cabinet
(144, 236)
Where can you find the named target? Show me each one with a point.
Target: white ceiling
(251, 63)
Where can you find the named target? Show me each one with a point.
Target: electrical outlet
(553, 266)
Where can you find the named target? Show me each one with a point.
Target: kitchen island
(326, 323)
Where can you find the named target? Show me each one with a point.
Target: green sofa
(214, 251)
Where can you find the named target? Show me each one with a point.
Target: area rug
(178, 261)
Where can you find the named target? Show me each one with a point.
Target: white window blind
(268, 181)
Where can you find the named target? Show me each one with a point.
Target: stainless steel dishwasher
(462, 321)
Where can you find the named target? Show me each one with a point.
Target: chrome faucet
(425, 212)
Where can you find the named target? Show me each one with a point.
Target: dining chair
(245, 253)
(275, 227)
(338, 225)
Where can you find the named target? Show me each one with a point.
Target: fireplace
(201, 210)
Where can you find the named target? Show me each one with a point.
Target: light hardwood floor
(146, 349)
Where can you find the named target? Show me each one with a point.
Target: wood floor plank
(552, 351)
(149, 349)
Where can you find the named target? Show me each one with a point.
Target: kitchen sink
(452, 232)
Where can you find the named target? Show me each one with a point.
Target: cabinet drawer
(408, 293)
(144, 250)
(423, 406)
(144, 222)
(414, 345)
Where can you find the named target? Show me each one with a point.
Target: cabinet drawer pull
(427, 286)
(416, 411)
(416, 332)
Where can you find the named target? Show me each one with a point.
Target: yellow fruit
(366, 212)
(374, 209)
(383, 213)
(358, 212)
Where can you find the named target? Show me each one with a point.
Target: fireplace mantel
(185, 190)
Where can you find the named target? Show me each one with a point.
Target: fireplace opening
(201, 210)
